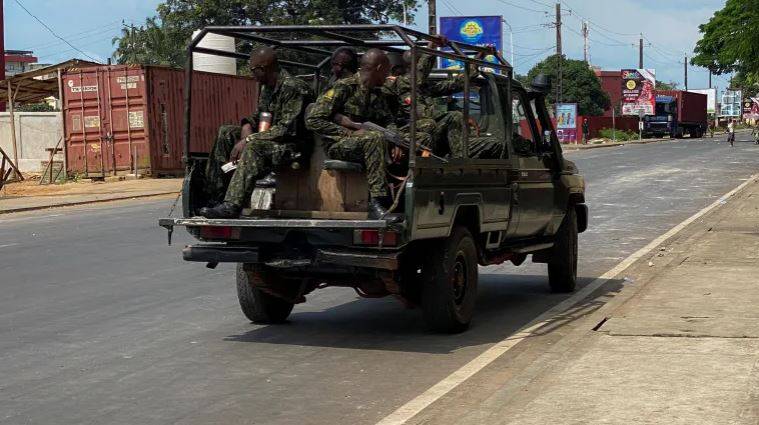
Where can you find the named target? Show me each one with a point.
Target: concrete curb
(75, 203)
(570, 147)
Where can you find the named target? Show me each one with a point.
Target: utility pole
(585, 51)
(511, 41)
(710, 78)
(432, 8)
(685, 67)
(2, 50)
(558, 53)
(640, 52)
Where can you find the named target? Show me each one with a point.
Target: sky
(670, 28)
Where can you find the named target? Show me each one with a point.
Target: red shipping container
(116, 113)
(691, 106)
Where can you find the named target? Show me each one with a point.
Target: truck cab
(312, 231)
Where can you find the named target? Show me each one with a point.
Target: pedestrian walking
(711, 130)
(755, 132)
(731, 132)
(585, 130)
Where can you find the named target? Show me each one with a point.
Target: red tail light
(219, 232)
(375, 237)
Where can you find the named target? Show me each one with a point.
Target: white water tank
(213, 63)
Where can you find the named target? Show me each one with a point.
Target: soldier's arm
(293, 104)
(320, 120)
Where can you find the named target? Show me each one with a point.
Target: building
(18, 61)
(611, 83)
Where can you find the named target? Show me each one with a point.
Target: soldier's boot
(223, 210)
(378, 207)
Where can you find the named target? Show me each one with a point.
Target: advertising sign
(476, 30)
(566, 122)
(731, 103)
(751, 109)
(638, 91)
(711, 99)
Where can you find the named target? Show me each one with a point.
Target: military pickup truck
(457, 214)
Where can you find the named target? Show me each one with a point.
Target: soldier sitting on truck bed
(283, 96)
(360, 98)
(344, 63)
(446, 128)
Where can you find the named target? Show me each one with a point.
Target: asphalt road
(101, 322)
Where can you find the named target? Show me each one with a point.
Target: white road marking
(406, 412)
(8, 245)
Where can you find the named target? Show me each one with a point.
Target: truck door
(532, 183)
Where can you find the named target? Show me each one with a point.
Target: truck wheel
(562, 265)
(257, 305)
(450, 283)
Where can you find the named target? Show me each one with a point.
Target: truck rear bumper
(217, 253)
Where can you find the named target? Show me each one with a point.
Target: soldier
(446, 128)
(285, 97)
(344, 63)
(360, 98)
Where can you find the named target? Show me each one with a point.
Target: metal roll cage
(333, 36)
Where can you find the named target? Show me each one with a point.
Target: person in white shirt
(731, 132)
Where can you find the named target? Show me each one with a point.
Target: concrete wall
(35, 131)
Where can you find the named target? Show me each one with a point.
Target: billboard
(476, 30)
(751, 108)
(731, 103)
(638, 91)
(566, 122)
(711, 99)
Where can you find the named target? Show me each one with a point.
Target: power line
(574, 10)
(522, 7)
(451, 7)
(114, 24)
(53, 32)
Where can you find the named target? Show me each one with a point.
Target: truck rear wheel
(257, 305)
(450, 283)
(562, 265)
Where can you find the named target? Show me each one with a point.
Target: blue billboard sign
(476, 30)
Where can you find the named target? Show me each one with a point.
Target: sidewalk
(674, 342)
(26, 196)
(568, 147)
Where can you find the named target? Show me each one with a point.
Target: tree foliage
(730, 40)
(661, 85)
(579, 84)
(162, 39)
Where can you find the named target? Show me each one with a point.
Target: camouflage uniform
(441, 125)
(215, 179)
(266, 150)
(359, 104)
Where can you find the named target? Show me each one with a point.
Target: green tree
(730, 40)
(661, 85)
(162, 39)
(579, 84)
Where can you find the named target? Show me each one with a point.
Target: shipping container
(123, 118)
(677, 113)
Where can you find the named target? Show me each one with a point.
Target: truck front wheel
(450, 283)
(562, 265)
(257, 305)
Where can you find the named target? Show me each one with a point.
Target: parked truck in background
(677, 113)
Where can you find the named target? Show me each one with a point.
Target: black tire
(450, 283)
(562, 265)
(257, 305)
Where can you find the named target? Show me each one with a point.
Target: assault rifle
(391, 136)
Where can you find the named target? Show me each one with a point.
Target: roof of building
(28, 89)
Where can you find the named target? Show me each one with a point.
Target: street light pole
(511, 41)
